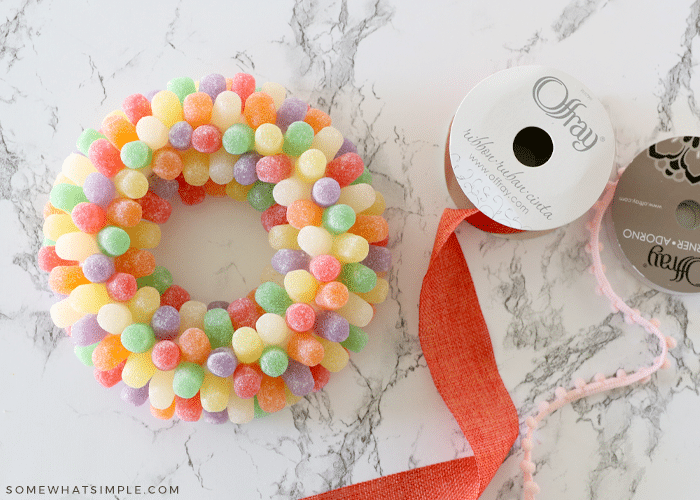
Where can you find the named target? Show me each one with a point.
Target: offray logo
(565, 109)
(681, 267)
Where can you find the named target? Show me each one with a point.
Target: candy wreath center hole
(215, 250)
(688, 214)
(533, 147)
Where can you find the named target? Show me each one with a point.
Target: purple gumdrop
(149, 95)
(378, 259)
(213, 85)
(215, 417)
(222, 362)
(331, 326)
(99, 189)
(136, 397)
(86, 331)
(98, 268)
(244, 169)
(298, 378)
(286, 260)
(164, 188)
(180, 135)
(217, 304)
(346, 147)
(166, 323)
(325, 192)
(292, 110)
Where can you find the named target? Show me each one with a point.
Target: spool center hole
(532, 146)
(688, 214)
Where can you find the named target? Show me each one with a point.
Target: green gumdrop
(138, 337)
(260, 196)
(239, 138)
(337, 219)
(218, 327)
(67, 196)
(356, 341)
(298, 138)
(259, 412)
(84, 353)
(136, 154)
(273, 361)
(188, 379)
(48, 243)
(88, 136)
(182, 87)
(160, 279)
(273, 298)
(113, 241)
(364, 178)
(358, 278)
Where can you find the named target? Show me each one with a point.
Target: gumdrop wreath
(219, 361)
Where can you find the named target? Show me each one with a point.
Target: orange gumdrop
(49, 209)
(109, 353)
(317, 119)
(194, 345)
(138, 263)
(373, 228)
(305, 348)
(258, 308)
(166, 163)
(333, 295)
(124, 212)
(271, 396)
(259, 109)
(197, 109)
(214, 189)
(302, 213)
(166, 414)
(118, 130)
(64, 279)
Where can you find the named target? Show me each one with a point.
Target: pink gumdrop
(206, 139)
(110, 378)
(154, 208)
(321, 377)
(105, 157)
(121, 287)
(325, 268)
(243, 313)
(243, 84)
(345, 169)
(165, 355)
(273, 169)
(48, 259)
(300, 317)
(136, 106)
(89, 217)
(274, 216)
(174, 296)
(247, 380)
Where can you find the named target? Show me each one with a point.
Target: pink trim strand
(600, 382)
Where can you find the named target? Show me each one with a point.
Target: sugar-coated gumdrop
(138, 337)
(243, 313)
(188, 410)
(338, 219)
(305, 348)
(109, 378)
(226, 110)
(297, 138)
(87, 331)
(188, 379)
(89, 217)
(315, 240)
(206, 139)
(99, 189)
(98, 268)
(273, 361)
(121, 286)
(113, 241)
(333, 295)
(246, 380)
(87, 137)
(114, 318)
(245, 169)
(180, 135)
(292, 110)
(182, 87)
(239, 138)
(136, 106)
(167, 107)
(271, 396)
(346, 147)
(331, 326)
(105, 157)
(357, 339)
(321, 377)
(326, 192)
(222, 362)
(166, 322)
(165, 355)
(269, 139)
(135, 396)
(358, 278)
(260, 196)
(174, 296)
(48, 259)
(273, 168)
(311, 165)
(345, 169)
(194, 345)
(124, 212)
(298, 378)
(259, 108)
(300, 317)
(67, 196)
(218, 327)
(247, 345)
(136, 262)
(272, 298)
(197, 109)
(109, 353)
(317, 119)
(212, 84)
(118, 130)
(243, 84)
(154, 208)
(274, 216)
(64, 279)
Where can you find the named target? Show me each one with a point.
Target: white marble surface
(391, 75)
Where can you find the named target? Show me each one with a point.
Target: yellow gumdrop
(237, 191)
(151, 130)
(77, 167)
(328, 141)
(145, 235)
(63, 315)
(315, 240)
(276, 91)
(138, 370)
(357, 311)
(76, 246)
(114, 318)
(335, 356)
(359, 197)
(192, 315)
(247, 345)
(349, 248)
(272, 329)
(287, 191)
(56, 225)
(240, 411)
(378, 207)
(143, 304)
(300, 285)
(160, 390)
(214, 392)
(131, 183)
(311, 165)
(165, 106)
(378, 294)
(195, 167)
(283, 236)
(226, 110)
(89, 298)
(268, 139)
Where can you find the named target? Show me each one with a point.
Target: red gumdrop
(243, 84)
(325, 268)
(274, 168)
(382, 243)
(154, 208)
(271, 396)
(109, 378)
(174, 296)
(121, 287)
(135, 107)
(274, 216)
(89, 217)
(243, 312)
(165, 355)
(345, 169)
(188, 410)
(190, 195)
(300, 317)
(48, 259)
(206, 139)
(136, 262)
(214, 189)
(166, 414)
(321, 377)
(105, 157)
(247, 380)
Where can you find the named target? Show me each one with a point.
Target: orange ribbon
(457, 347)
